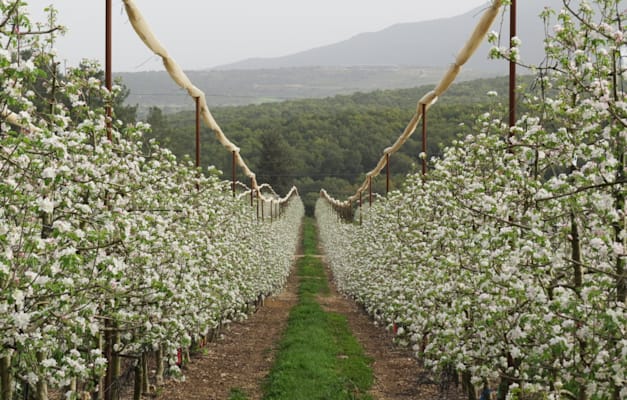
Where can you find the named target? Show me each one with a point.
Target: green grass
(237, 394)
(310, 241)
(318, 356)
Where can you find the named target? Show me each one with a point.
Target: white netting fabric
(486, 21)
(143, 30)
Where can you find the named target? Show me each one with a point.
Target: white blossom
(45, 205)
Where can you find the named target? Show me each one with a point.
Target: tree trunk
(42, 385)
(111, 383)
(145, 381)
(6, 384)
(160, 368)
(576, 253)
(578, 284)
(619, 196)
(117, 365)
(186, 357)
(467, 384)
(100, 395)
(137, 390)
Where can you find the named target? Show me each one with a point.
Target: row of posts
(277, 208)
(346, 212)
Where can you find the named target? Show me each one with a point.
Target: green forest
(332, 142)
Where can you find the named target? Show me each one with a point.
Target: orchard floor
(242, 357)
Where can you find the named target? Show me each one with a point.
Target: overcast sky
(205, 33)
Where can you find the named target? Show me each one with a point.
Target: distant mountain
(432, 43)
(401, 56)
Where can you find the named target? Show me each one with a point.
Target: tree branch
(582, 189)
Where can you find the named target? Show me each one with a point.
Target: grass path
(318, 357)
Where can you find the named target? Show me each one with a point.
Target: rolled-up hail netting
(143, 30)
(430, 98)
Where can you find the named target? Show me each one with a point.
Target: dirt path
(243, 357)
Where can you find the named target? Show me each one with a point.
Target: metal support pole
(252, 192)
(512, 68)
(234, 177)
(108, 79)
(370, 191)
(197, 99)
(361, 218)
(424, 140)
(18, 35)
(258, 204)
(350, 210)
(263, 217)
(387, 173)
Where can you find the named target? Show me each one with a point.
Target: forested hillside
(243, 87)
(329, 142)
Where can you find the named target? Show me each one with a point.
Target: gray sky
(206, 33)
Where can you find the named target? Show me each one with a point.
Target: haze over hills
(401, 56)
(432, 43)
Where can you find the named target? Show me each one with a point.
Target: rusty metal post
(108, 66)
(197, 99)
(108, 79)
(424, 140)
(258, 204)
(252, 192)
(361, 218)
(263, 217)
(512, 67)
(234, 176)
(350, 210)
(109, 351)
(387, 173)
(18, 33)
(271, 211)
(370, 191)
